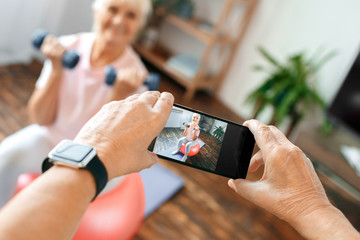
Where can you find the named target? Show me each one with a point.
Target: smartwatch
(79, 156)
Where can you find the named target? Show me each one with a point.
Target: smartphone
(205, 142)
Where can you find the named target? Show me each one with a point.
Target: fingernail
(231, 183)
(246, 123)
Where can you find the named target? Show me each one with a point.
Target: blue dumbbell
(69, 59)
(152, 81)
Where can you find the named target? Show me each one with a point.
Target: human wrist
(80, 179)
(78, 156)
(326, 222)
(57, 65)
(102, 151)
(56, 76)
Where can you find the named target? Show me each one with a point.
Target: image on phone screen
(202, 141)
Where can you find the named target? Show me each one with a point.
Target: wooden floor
(205, 208)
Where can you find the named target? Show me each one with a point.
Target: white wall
(285, 27)
(19, 19)
(178, 117)
(78, 17)
(281, 26)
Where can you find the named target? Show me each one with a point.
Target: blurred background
(214, 55)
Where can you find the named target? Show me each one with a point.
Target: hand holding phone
(205, 142)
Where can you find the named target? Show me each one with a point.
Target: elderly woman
(190, 136)
(63, 99)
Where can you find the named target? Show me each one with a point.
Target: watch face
(69, 152)
(75, 152)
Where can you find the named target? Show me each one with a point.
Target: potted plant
(289, 87)
(219, 132)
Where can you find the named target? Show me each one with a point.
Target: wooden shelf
(158, 56)
(190, 27)
(228, 40)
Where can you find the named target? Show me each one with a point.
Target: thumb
(245, 188)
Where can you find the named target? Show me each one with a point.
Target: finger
(279, 135)
(256, 162)
(164, 104)
(47, 41)
(264, 137)
(245, 188)
(132, 97)
(150, 97)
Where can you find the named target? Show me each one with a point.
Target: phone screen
(205, 142)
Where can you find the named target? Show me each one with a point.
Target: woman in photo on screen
(190, 136)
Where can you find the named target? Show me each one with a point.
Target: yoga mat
(160, 184)
(179, 155)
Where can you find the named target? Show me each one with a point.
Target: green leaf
(286, 106)
(323, 60)
(259, 68)
(269, 57)
(289, 88)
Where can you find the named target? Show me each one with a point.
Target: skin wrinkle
(293, 198)
(290, 188)
(128, 110)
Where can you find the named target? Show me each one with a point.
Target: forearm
(326, 223)
(42, 106)
(44, 216)
(195, 135)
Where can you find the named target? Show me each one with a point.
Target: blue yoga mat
(160, 184)
(168, 152)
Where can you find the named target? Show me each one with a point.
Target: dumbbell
(188, 125)
(70, 57)
(152, 81)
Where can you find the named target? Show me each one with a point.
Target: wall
(282, 26)
(19, 19)
(286, 27)
(78, 17)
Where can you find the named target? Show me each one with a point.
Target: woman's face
(118, 21)
(195, 119)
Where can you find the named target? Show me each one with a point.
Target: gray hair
(144, 5)
(198, 115)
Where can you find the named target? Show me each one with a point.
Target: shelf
(191, 27)
(158, 56)
(211, 37)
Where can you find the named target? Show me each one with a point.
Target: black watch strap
(98, 170)
(95, 166)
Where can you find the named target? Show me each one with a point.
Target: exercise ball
(193, 150)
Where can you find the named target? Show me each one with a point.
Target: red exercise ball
(193, 150)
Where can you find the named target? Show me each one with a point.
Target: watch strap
(98, 170)
(95, 166)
